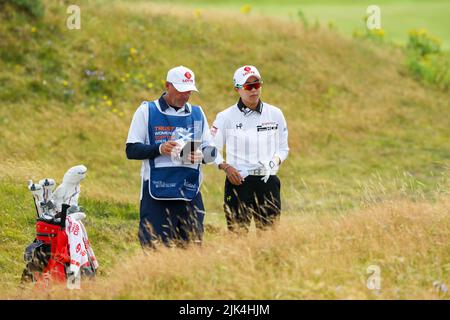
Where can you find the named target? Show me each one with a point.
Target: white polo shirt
(138, 131)
(250, 136)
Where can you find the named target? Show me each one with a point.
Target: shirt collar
(164, 106)
(243, 108)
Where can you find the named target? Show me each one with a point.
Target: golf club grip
(64, 208)
(36, 207)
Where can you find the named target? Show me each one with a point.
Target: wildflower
(109, 103)
(33, 29)
(197, 13)
(380, 32)
(149, 85)
(133, 51)
(245, 9)
(413, 33)
(422, 32)
(65, 83)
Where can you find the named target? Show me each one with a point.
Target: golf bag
(61, 251)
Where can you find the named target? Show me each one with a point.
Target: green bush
(34, 8)
(426, 61)
(431, 68)
(423, 43)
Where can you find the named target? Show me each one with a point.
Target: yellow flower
(33, 29)
(115, 110)
(109, 103)
(121, 114)
(422, 32)
(436, 40)
(65, 83)
(105, 97)
(127, 75)
(133, 51)
(245, 9)
(149, 85)
(197, 13)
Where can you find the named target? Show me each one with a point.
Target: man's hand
(167, 147)
(195, 157)
(232, 174)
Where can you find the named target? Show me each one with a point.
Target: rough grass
(361, 130)
(306, 257)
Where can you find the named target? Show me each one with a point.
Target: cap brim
(182, 87)
(246, 78)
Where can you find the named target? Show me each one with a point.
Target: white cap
(182, 78)
(243, 73)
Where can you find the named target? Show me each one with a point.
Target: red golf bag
(48, 257)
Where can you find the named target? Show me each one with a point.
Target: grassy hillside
(362, 131)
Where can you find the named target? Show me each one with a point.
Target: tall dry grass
(305, 257)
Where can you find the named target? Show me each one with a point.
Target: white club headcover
(69, 190)
(38, 195)
(48, 185)
(36, 190)
(75, 174)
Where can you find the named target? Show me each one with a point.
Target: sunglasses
(250, 86)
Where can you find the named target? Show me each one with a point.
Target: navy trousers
(252, 199)
(172, 222)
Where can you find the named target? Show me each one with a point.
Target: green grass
(361, 129)
(397, 16)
